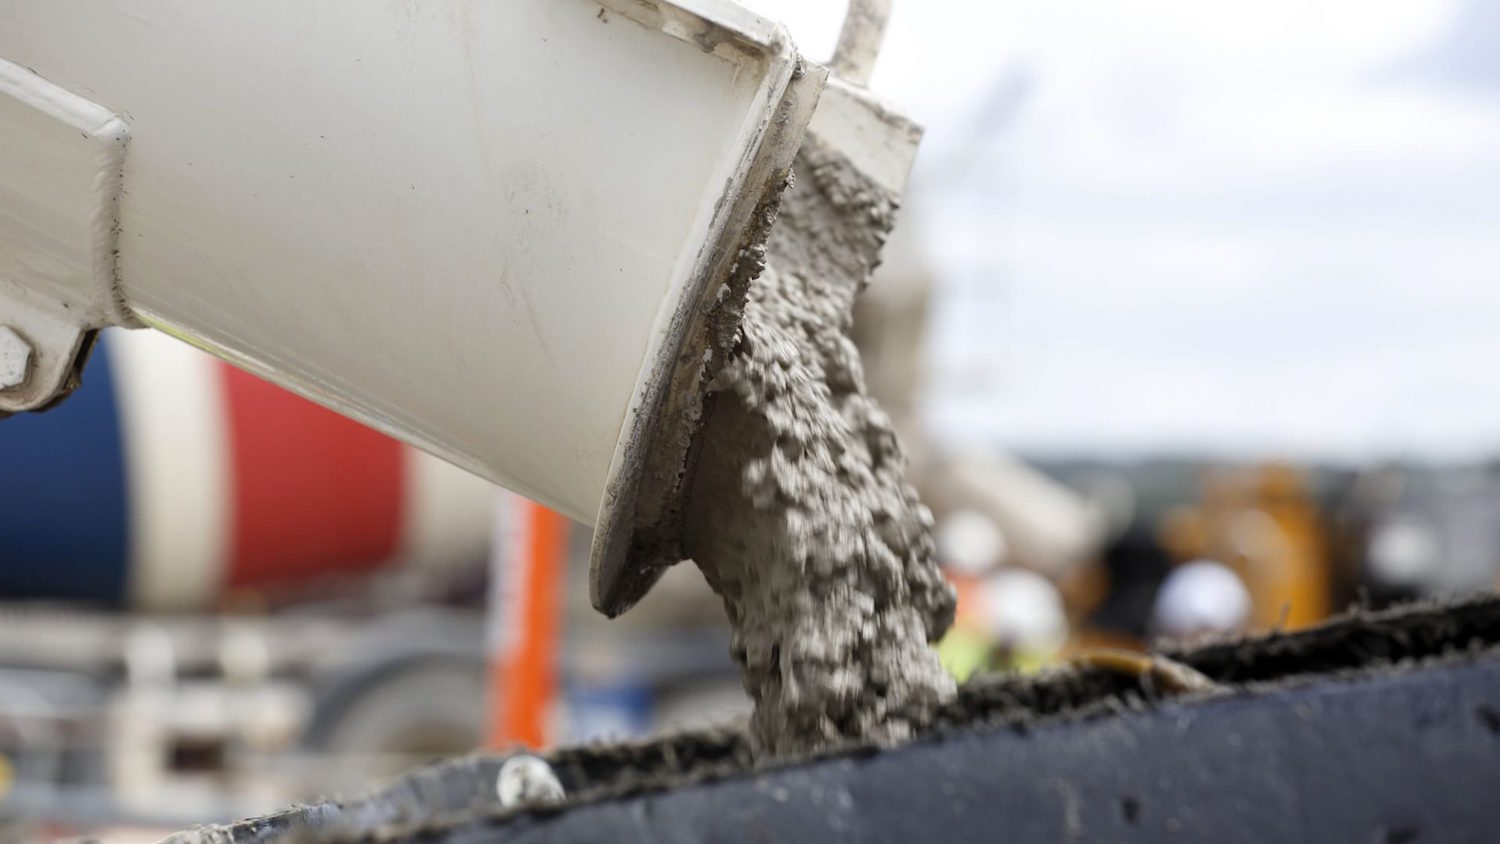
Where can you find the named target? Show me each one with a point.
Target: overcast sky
(1245, 228)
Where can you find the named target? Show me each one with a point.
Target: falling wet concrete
(798, 511)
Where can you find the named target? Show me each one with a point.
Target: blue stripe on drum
(63, 530)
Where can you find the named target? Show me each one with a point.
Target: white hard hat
(1201, 597)
(1023, 610)
(970, 543)
(1403, 552)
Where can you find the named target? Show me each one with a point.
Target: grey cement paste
(798, 512)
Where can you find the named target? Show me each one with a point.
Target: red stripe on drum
(314, 493)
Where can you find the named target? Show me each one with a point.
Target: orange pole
(526, 608)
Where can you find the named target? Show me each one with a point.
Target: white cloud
(1245, 227)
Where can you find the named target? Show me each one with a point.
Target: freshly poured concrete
(799, 513)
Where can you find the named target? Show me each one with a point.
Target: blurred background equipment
(1264, 524)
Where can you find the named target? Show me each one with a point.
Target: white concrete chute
(489, 229)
